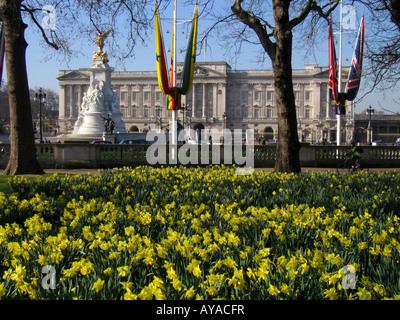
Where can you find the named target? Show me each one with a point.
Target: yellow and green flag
(162, 74)
(167, 84)
(190, 58)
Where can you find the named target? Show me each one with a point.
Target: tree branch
(46, 39)
(254, 23)
(313, 6)
(303, 15)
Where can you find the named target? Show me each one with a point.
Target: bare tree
(74, 19)
(270, 24)
(23, 150)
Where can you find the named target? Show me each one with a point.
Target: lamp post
(184, 109)
(318, 124)
(349, 128)
(223, 128)
(370, 112)
(158, 117)
(41, 96)
(188, 117)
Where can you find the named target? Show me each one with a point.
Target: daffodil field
(201, 233)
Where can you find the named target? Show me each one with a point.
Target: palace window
(123, 111)
(307, 113)
(245, 95)
(244, 112)
(269, 112)
(210, 112)
(67, 97)
(323, 111)
(210, 95)
(231, 113)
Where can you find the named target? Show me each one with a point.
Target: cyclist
(355, 155)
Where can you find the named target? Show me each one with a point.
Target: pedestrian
(355, 155)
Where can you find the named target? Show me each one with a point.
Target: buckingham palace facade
(220, 98)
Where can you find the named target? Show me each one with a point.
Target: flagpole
(339, 115)
(175, 111)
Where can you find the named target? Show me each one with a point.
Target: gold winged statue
(101, 36)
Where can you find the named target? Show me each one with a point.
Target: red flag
(162, 72)
(333, 81)
(2, 50)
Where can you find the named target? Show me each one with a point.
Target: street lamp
(319, 125)
(41, 96)
(224, 127)
(184, 110)
(158, 116)
(370, 112)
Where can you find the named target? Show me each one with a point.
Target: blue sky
(43, 67)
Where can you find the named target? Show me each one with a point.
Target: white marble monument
(100, 101)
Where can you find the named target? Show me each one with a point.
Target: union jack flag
(354, 78)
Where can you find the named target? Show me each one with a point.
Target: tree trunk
(395, 12)
(23, 151)
(280, 52)
(288, 147)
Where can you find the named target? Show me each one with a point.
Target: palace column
(79, 102)
(128, 107)
(263, 100)
(140, 101)
(194, 107)
(215, 100)
(222, 101)
(61, 111)
(204, 101)
(71, 101)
